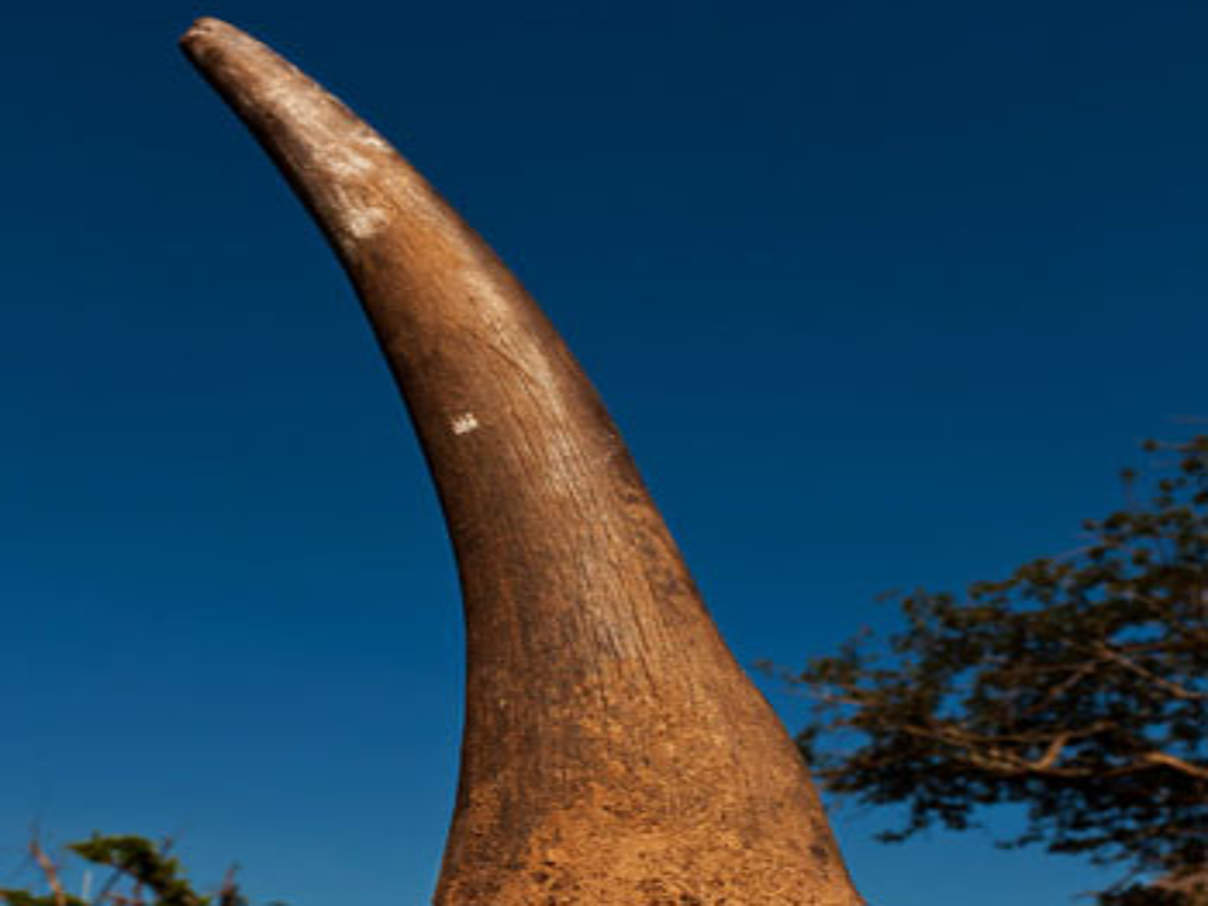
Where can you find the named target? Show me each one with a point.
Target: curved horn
(613, 752)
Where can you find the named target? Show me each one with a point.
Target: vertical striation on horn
(614, 752)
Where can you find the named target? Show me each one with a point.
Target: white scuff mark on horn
(370, 139)
(357, 209)
(564, 463)
(357, 217)
(464, 423)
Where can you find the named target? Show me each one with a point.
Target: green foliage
(145, 864)
(1077, 687)
(139, 867)
(25, 898)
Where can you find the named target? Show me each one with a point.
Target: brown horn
(614, 752)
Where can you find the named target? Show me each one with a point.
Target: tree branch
(1173, 761)
(1175, 689)
(50, 870)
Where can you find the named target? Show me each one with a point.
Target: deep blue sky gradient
(881, 294)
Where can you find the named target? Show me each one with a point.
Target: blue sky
(882, 295)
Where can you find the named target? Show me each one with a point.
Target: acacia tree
(1077, 687)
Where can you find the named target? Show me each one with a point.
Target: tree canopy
(1076, 687)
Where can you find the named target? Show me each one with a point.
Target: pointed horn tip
(208, 32)
(203, 28)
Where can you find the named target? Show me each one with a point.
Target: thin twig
(1170, 686)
